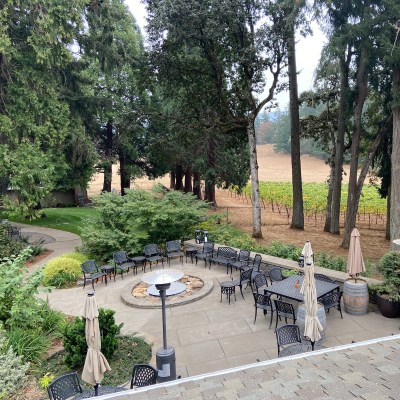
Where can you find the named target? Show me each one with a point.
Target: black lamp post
(165, 356)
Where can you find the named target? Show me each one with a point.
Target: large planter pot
(389, 309)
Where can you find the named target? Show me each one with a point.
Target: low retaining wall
(270, 261)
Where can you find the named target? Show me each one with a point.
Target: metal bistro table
(101, 391)
(286, 288)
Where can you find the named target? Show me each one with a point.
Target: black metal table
(101, 391)
(139, 260)
(286, 288)
(191, 251)
(228, 288)
(108, 270)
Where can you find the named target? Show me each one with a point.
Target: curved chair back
(89, 266)
(120, 257)
(259, 281)
(275, 274)
(151, 250)
(64, 387)
(324, 278)
(143, 375)
(257, 262)
(287, 334)
(243, 256)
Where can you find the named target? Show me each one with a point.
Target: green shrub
(53, 321)
(283, 250)
(331, 261)
(61, 272)
(8, 246)
(75, 343)
(129, 222)
(229, 235)
(29, 344)
(389, 267)
(13, 371)
(289, 272)
(76, 256)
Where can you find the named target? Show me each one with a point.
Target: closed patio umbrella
(312, 325)
(95, 363)
(355, 261)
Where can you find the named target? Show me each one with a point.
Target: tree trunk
(255, 189)
(179, 177)
(108, 153)
(188, 180)
(196, 185)
(354, 190)
(387, 230)
(329, 196)
(171, 179)
(209, 192)
(125, 178)
(337, 178)
(395, 165)
(297, 188)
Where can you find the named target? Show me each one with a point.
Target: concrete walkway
(208, 335)
(59, 242)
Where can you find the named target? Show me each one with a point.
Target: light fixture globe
(162, 277)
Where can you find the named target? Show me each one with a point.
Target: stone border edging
(128, 299)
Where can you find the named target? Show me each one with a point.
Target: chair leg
(340, 310)
(255, 315)
(241, 291)
(276, 324)
(270, 323)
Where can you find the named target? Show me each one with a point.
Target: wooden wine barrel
(355, 297)
(301, 315)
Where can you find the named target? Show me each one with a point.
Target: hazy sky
(308, 51)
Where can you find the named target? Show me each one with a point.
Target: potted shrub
(388, 293)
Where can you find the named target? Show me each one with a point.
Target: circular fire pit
(137, 293)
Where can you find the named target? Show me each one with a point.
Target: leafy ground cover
(65, 219)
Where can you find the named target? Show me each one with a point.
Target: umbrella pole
(312, 345)
(96, 389)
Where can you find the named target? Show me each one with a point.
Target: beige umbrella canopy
(312, 325)
(355, 261)
(95, 364)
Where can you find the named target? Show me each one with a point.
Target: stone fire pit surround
(197, 288)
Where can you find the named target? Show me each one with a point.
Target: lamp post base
(166, 364)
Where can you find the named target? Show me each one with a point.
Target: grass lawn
(65, 219)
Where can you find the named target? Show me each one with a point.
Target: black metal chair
(123, 262)
(173, 250)
(263, 302)
(332, 300)
(288, 338)
(208, 250)
(275, 275)
(91, 272)
(153, 254)
(143, 375)
(259, 281)
(242, 260)
(64, 387)
(324, 278)
(225, 256)
(256, 265)
(245, 277)
(285, 310)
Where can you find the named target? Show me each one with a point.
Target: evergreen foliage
(75, 342)
(129, 222)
